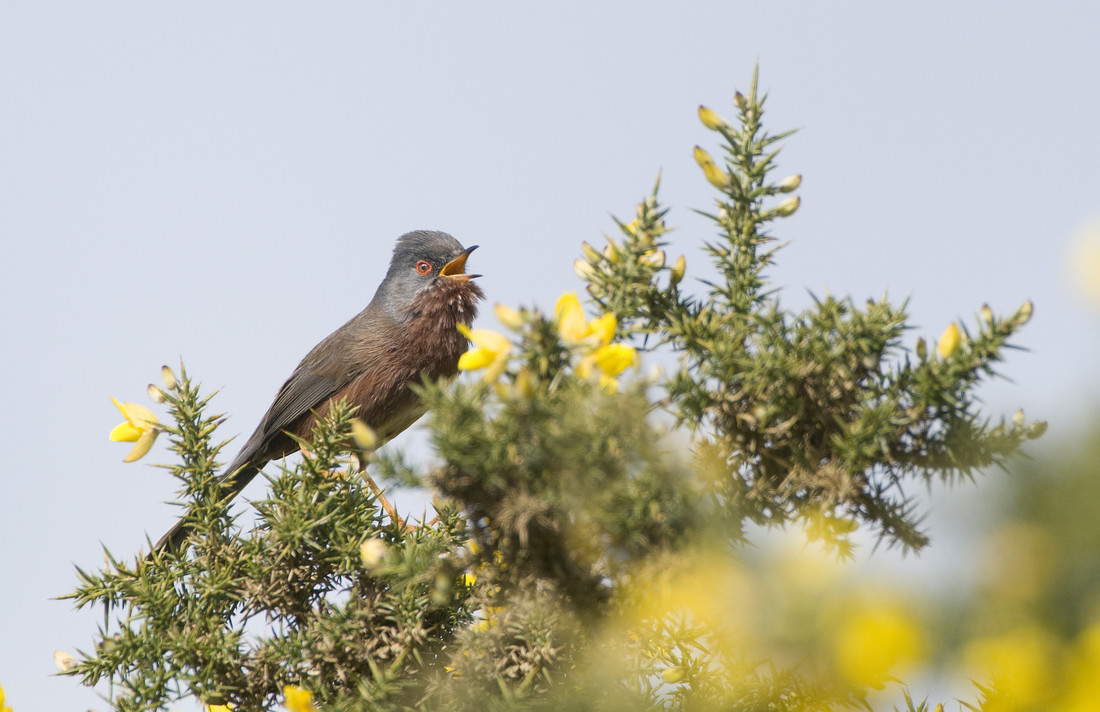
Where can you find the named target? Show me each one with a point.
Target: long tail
(237, 477)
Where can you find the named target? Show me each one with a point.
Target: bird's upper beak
(456, 268)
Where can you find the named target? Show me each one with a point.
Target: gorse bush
(586, 548)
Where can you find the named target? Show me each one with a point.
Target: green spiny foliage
(236, 617)
(820, 415)
(584, 550)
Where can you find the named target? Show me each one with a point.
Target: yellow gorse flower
(3, 707)
(608, 358)
(141, 428)
(298, 699)
(570, 317)
(875, 638)
(491, 353)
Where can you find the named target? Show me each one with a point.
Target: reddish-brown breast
(427, 345)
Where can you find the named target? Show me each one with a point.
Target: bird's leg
(359, 464)
(394, 517)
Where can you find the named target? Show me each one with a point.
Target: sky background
(223, 183)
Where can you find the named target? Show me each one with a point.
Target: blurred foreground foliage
(587, 548)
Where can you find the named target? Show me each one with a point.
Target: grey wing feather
(307, 388)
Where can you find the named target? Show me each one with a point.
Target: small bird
(407, 332)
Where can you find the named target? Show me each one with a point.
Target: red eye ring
(423, 267)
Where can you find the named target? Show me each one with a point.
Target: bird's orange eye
(423, 267)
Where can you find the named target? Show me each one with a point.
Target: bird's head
(427, 273)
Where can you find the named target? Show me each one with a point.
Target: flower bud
(526, 383)
(364, 436)
(672, 675)
(590, 253)
(717, 177)
(155, 394)
(1036, 429)
(788, 206)
(987, 315)
(613, 252)
(676, 272)
(168, 378)
(710, 119)
(922, 349)
(949, 341)
(655, 259)
(583, 270)
(1024, 315)
(509, 317)
(1018, 418)
(790, 183)
(701, 157)
(373, 552)
(63, 661)
(740, 101)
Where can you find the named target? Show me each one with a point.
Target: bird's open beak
(456, 268)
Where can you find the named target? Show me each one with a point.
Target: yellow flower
(570, 317)
(603, 328)
(1022, 664)
(949, 341)
(611, 360)
(509, 317)
(221, 708)
(492, 352)
(141, 427)
(298, 699)
(3, 707)
(874, 639)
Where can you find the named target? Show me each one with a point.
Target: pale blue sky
(223, 182)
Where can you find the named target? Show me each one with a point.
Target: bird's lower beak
(456, 268)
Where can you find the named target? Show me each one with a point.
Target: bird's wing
(320, 375)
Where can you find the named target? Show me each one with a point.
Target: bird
(408, 331)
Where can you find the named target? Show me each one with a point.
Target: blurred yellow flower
(364, 436)
(3, 707)
(1084, 261)
(611, 360)
(570, 317)
(141, 428)
(229, 707)
(603, 328)
(492, 352)
(373, 552)
(874, 638)
(949, 341)
(298, 699)
(1082, 687)
(509, 317)
(1021, 665)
